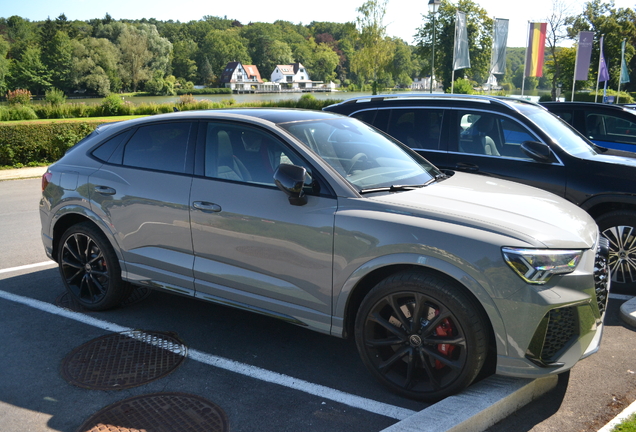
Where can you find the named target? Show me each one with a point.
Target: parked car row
(520, 141)
(325, 222)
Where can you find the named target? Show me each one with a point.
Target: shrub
(111, 105)
(545, 98)
(17, 112)
(19, 96)
(55, 97)
(463, 86)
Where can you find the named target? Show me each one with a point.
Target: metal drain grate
(138, 294)
(123, 360)
(159, 412)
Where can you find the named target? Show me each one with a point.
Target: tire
(90, 269)
(620, 229)
(437, 358)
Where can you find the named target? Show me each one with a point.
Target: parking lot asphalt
(484, 404)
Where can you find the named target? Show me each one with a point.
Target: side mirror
(537, 151)
(291, 180)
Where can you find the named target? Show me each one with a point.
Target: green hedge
(204, 91)
(39, 143)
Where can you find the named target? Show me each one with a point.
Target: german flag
(535, 50)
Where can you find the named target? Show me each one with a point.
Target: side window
(567, 116)
(492, 135)
(610, 128)
(160, 146)
(244, 154)
(367, 116)
(418, 128)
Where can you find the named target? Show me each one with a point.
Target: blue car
(610, 126)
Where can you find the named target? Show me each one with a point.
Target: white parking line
(231, 365)
(28, 266)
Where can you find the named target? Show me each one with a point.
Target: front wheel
(421, 336)
(90, 269)
(619, 227)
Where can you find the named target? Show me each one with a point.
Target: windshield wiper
(396, 188)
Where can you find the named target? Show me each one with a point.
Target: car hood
(530, 215)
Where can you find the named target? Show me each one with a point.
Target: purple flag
(583, 55)
(603, 73)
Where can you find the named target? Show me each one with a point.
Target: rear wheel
(421, 336)
(620, 229)
(90, 269)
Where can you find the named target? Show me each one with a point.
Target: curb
(477, 408)
(628, 312)
(22, 173)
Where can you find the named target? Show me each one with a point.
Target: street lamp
(433, 6)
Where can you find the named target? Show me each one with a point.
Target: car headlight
(537, 266)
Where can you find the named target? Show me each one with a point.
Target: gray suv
(322, 221)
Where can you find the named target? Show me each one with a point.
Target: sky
(402, 18)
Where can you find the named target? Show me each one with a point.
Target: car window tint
(417, 128)
(567, 116)
(367, 116)
(106, 149)
(604, 127)
(491, 134)
(160, 146)
(245, 154)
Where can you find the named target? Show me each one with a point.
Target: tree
(479, 27)
(323, 63)
(4, 65)
(58, 58)
(222, 46)
(29, 72)
(135, 57)
(556, 33)
(95, 66)
(373, 53)
(184, 64)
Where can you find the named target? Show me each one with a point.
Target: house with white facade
(241, 77)
(292, 76)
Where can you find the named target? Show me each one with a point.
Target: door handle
(206, 206)
(105, 190)
(467, 167)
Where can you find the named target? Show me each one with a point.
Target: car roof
(589, 105)
(434, 99)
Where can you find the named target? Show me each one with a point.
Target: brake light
(46, 179)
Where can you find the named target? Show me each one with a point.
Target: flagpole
(454, 54)
(598, 71)
(576, 63)
(618, 94)
(525, 63)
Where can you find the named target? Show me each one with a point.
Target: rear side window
(606, 127)
(160, 147)
(106, 149)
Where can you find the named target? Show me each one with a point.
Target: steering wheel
(354, 161)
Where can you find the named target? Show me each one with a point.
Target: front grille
(601, 274)
(562, 327)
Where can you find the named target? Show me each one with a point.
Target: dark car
(521, 141)
(611, 126)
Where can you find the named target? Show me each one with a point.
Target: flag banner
(461, 58)
(583, 55)
(499, 43)
(603, 73)
(535, 49)
(624, 72)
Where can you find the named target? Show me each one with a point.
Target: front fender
(429, 263)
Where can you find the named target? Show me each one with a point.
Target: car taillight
(46, 179)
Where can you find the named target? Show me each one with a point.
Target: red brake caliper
(445, 329)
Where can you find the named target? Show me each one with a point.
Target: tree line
(102, 56)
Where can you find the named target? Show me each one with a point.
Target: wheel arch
(599, 205)
(369, 275)
(72, 215)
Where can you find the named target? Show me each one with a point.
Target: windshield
(365, 157)
(560, 132)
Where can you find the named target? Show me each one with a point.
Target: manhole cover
(159, 412)
(123, 360)
(66, 301)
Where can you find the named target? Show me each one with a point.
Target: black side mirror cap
(291, 180)
(537, 151)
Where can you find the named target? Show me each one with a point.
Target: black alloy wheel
(619, 227)
(421, 336)
(90, 269)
